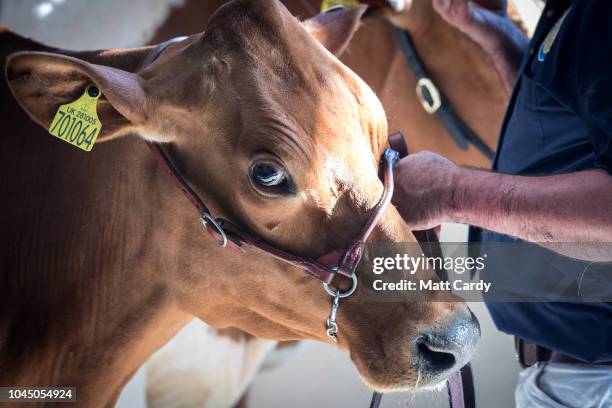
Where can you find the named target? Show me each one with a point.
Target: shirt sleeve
(597, 108)
(590, 65)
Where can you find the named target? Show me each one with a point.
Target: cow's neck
(89, 243)
(93, 300)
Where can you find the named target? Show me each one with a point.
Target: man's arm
(548, 210)
(487, 23)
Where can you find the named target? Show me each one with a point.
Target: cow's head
(280, 137)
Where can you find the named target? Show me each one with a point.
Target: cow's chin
(403, 386)
(387, 387)
(395, 375)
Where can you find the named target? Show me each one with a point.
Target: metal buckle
(332, 325)
(432, 90)
(341, 295)
(207, 220)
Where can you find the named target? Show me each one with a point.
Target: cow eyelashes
(270, 177)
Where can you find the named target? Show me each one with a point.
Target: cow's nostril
(432, 358)
(449, 346)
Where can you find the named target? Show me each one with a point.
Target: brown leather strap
(461, 390)
(164, 161)
(434, 100)
(159, 49)
(529, 353)
(460, 387)
(557, 357)
(376, 400)
(398, 143)
(354, 252)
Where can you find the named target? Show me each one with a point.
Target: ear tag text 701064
(77, 122)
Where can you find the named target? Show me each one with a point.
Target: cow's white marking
(199, 367)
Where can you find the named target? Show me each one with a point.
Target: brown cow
(104, 260)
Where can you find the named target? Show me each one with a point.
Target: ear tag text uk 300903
(77, 122)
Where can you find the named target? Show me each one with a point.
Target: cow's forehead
(241, 23)
(265, 37)
(283, 74)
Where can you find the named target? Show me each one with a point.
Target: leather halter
(340, 261)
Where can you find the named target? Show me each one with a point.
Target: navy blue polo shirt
(559, 120)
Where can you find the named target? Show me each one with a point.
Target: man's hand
(464, 13)
(424, 189)
(480, 20)
(487, 23)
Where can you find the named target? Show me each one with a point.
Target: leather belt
(529, 354)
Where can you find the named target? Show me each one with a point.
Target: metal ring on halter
(436, 100)
(207, 220)
(339, 294)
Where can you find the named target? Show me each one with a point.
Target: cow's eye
(268, 175)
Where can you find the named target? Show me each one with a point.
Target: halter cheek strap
(226, 233)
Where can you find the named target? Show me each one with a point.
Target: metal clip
(332, 326)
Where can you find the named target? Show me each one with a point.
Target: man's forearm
(568, 208)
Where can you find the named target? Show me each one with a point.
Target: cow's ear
(41, 82)
(335, 28)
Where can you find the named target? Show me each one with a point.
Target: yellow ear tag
(77, 122)
(327, 4)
